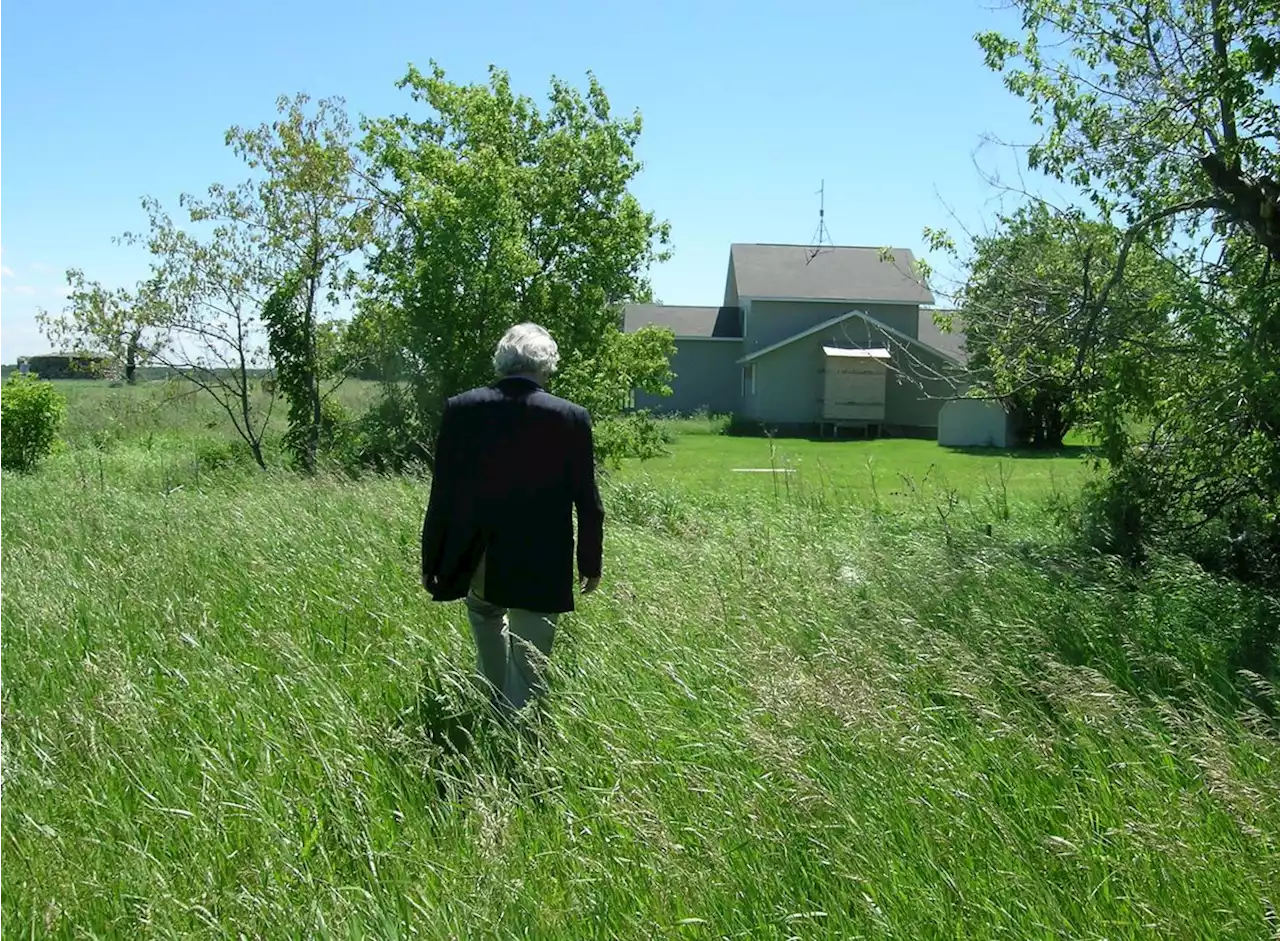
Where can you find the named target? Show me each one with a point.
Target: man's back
(515, 442)
(512, 462)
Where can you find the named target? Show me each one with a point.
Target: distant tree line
(64, 366)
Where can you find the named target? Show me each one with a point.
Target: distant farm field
(882, 696)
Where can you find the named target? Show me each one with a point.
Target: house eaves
(836, 321)
(832, 300)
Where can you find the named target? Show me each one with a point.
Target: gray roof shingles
(952, 342)
(723, 322)
(837, 273)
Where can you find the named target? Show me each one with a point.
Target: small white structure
(974, 423)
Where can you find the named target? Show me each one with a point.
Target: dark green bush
(1141, 512)
(741, 426)
(1115, 514)
(387, 438)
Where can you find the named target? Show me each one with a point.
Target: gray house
(811, 339)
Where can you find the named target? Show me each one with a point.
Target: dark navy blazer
(512, 462)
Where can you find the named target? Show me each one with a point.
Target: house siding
(769, 322)
(789, 383)
(707, 376)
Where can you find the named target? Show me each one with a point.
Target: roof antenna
(821, 237)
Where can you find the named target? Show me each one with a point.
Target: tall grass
(230, 711)
(168, 413)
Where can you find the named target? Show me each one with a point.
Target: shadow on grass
(1076, 451)
(1066, 451)
(1165, 652)
(451, 738)
(449, 721)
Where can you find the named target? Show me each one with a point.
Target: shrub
(741, 426)
(31, 415)
(387, 438)
(1115, 513)
(337, 433)
(631, 435)
(700, 422)
(213, 456)
(716, 423)
(1153, 502)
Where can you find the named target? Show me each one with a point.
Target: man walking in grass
(512, 461)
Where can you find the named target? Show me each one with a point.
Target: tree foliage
(246, 284)
(504, 213)
(1163, 112)
(1157, 109)
(1033, 336)
(208, 289)
(109, 325)
(307, 211)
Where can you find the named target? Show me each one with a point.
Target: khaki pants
(512, 646)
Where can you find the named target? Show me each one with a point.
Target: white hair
(526, 348)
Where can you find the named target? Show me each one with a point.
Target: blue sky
(747, 107)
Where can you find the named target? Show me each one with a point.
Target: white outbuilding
(974, 423)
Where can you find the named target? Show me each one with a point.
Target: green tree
(208, 288)
(504, 213)
(308, 210)
(1159, 110)
(1032, 336)
(287, 236)
(105, 323)
(1163, 113)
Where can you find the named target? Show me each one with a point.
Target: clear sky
(747, 106)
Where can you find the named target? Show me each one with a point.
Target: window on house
(749, 379)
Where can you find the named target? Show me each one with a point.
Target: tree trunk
(131, 358)
(255, 447)
(242, 393)
(311, 445)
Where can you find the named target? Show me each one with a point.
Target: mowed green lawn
(838, 710)
(863, 470)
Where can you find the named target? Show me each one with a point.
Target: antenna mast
(821, 237)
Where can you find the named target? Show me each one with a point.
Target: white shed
(974, 423)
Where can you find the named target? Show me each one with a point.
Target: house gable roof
(953, 342)
(835, 321)
(708, 323)
(840, 273)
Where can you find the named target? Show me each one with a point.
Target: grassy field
(880, 697)
(876, 472)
